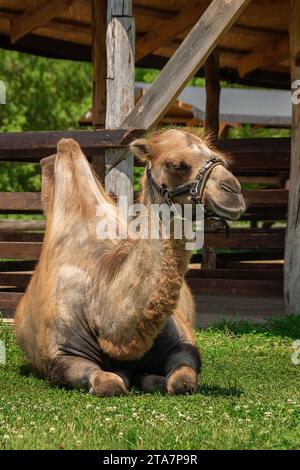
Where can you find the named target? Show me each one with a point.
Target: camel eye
(178, 167)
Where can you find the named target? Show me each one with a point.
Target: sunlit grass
(248, 398)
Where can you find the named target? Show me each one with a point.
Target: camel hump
(48, 162)
(69, 149)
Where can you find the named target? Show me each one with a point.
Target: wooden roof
(255, 51)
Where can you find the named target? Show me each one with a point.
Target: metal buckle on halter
(195, 188)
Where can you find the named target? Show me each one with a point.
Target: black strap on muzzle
(194, 188)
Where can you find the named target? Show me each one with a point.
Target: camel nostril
(229, 188)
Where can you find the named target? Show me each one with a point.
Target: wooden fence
(253, 268)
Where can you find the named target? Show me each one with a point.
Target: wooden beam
(267, 54)
(62, 30)
(212, 125)
(120, 40)
(246, 238)
(20, 202)
(292, 247)
(36, 145)
(239, 287)
(99, 26)
(32, 19)
(20, 250)
(17, 226)
(22, 236)
(10, 300)
(188, 58)
(266, 197)
(213, 92)
(162, 33)
(262, 274)
(274, 12)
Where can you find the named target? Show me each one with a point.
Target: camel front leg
(77, 372)
(183, 368)
(179, 371)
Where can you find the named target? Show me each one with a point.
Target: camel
(103, 315)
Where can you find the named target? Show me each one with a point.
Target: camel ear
(142, 149)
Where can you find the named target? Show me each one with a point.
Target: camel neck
(177, 246)
(150, 277)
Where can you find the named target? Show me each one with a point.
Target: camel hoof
(107, 384)
(182, 381)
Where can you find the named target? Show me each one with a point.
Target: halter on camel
(194, 188)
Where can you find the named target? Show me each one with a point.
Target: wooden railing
(21, 240)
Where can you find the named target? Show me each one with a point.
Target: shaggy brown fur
(103, 314)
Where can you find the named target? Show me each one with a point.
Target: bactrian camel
(102, 315)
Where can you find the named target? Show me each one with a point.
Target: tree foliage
(51, 94)
(41, 94)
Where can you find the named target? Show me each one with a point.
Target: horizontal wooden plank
(15, 279)
(240, 239)
(16, 226)
(266, 197)
(236, 287)
(20, 250)
(267, 180)
(21, 237)
(248, 238)
(250, 274)
(239, 255)
(265, 213)
(251, 265)
(10, 300)
(21, 279)
(16, 265)
(33, 146)
(263, 254)
(30, 202)
(256, 155)
(26, 202)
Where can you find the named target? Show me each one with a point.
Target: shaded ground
(248, 398)
(214, 308)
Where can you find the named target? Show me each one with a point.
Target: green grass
(248, 398)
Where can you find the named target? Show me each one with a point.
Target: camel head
(175, 158)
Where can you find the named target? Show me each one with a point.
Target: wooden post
(120, 40)
(212, 109)
(292, 248)
(99, 26)
(213, 92)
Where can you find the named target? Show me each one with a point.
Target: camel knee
(71, 371)
(182, 381)
(183, 367)
(107, 384)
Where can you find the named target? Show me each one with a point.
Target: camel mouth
(225, 212)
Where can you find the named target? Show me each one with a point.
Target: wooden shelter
(242, 41)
